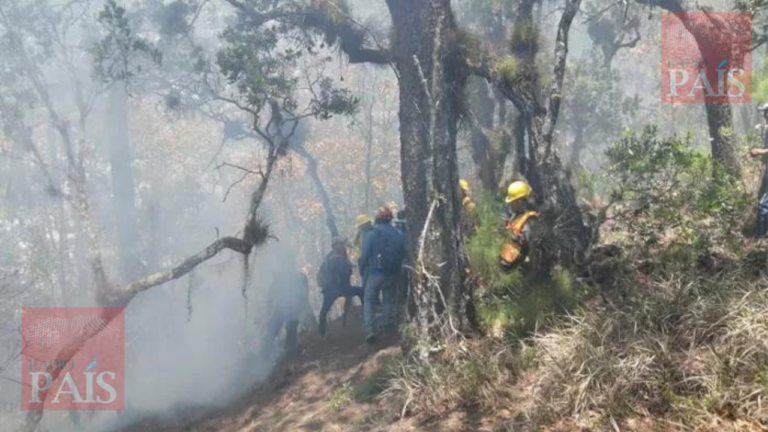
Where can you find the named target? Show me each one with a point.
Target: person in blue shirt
(380, 263)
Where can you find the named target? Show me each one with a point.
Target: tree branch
(123, 295)
(349, 34)
(561, 55)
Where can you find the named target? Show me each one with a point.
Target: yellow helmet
(362, 219)
(518, 190)
(464, 185)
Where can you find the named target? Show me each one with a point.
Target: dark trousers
(274, 325)
(330, 296)
(762, 216)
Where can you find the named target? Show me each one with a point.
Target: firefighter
(380, 265)
(469, 218)
(466, 200)
(287, 306)
(518, 225)
(363, 224)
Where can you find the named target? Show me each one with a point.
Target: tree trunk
(504, 124)
(482, 147)
(424, 30)
(128, 239)
(521, 156)
(543, 168)
(720, 121)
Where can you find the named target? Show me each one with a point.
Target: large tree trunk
(424, 32)
(128, 239)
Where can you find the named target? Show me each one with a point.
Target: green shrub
(667, 189)
(518, 314)
(484, 246)
(510, 302)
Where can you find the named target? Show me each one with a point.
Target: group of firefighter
(381, 251)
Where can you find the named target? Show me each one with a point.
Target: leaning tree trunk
(424, 31)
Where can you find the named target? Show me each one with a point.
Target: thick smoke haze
(137, 159)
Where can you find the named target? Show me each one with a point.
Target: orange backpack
(512, 252)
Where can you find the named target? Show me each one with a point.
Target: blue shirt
(372, 243)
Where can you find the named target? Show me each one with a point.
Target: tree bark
(429, 92)
(483, 153)
(721, 132)
(521, 157)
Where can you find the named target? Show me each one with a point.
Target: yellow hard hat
(362, 219)
(518, 190)
(464, 185)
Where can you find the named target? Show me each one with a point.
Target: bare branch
(246, 174)
(561, 54)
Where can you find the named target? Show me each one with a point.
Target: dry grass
(461, 376)
(687, 350)
(684, 352)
